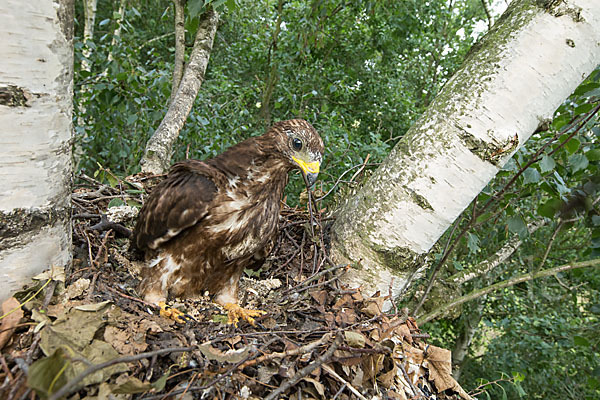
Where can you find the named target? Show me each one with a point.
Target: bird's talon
(235, 313)
(167, 311)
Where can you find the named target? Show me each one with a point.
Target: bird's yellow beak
(308, 168)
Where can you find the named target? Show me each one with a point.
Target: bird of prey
(208, 220)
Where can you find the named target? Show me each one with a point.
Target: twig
(416, 391)
(70, 386)
(331, 372)
(316, 276)
(298, 350)
(320, 361)
(509, 282)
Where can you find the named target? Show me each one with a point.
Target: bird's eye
(297, 144)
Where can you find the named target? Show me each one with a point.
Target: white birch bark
(89, 11)
(117, 31)
(159, 149)
(179, 46)
(36, 83)
(513, 80)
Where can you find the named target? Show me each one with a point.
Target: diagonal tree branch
(159, 149)
(504, 284)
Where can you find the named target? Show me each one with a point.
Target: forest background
(362, 72)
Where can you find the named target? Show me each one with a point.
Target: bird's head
(301, 145)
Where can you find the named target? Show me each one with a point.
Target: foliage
(361, 93)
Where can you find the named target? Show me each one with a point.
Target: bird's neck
(254, 165)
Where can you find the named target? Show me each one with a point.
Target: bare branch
(504, 284)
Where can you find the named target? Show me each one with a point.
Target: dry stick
(320, 361)
(298, 350)
(310, 212)
(345, 383)
(415, 390)
(315, 277)
(504, 284)
(70, 386)
(535, 158)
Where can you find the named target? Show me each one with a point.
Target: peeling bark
(514, 78)
(36, 82)
(160, 146)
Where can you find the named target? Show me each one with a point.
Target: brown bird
(208, 220)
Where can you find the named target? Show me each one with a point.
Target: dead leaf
(404, 333)
(387, 378)
(49, 374)
(123, 340)
(76, 289)
(344, 301)
(320, 296)
(9, 321)
(229, 356)
(56, 273)
(93, 306)
(373, 307)
(440, 368)
(355, 339)
(318, 386)
(131, 386)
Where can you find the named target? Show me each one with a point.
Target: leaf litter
(85, 333)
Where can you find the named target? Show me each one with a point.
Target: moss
(558, 8)
(493, 153)
(20, 221)
(399, 259)
(419, 200)
(14, 96)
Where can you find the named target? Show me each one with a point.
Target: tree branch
(504, 284)
(160, 146)
(179, 46)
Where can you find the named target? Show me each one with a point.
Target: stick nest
(85, 333)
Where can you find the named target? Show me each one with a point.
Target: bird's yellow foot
(172, 313)
(235, 313)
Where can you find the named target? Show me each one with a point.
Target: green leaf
(116, 203)
(581, 341)
(473, 242)
(547, 163)
(131, 386)
(517, 225)
(578, 162)
(549, 208)
(531, 175)
(584, 108)
(586, 89)
(593, 155)
(572, 145)
(160, 383)
(47, 374)
(194, 7)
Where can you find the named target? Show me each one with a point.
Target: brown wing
(177, 203)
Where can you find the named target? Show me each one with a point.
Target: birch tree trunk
(159, 149)
(89, 11)
(36, 82)
(117, 32)
(179, 46)
(512, 81)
